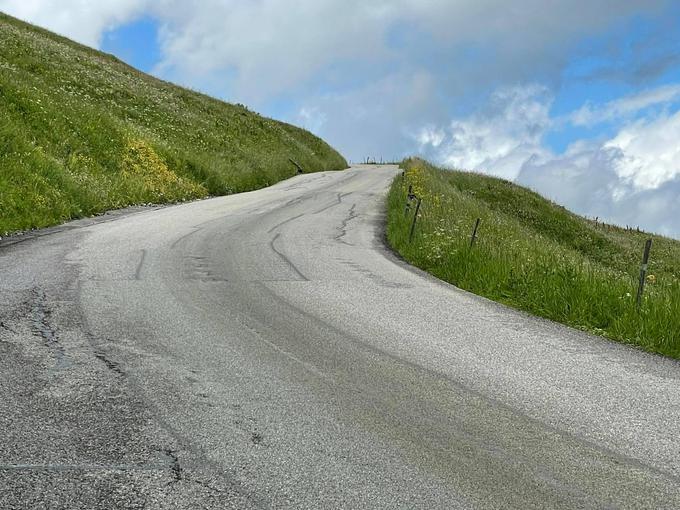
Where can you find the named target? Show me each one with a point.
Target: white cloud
(589, 115)
(311, 118)
(377, 119)
(631, 179)
(499, 139)
(651, 151)
(271, 46)
(587, 182)
(430, 135)
(82, 20)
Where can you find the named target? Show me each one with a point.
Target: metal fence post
(413, 225)
(474, 232)
(409, 197)
(643, 273)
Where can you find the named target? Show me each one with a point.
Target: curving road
(265, 350)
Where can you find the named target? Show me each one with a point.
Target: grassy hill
(82, 132)
(536, 256)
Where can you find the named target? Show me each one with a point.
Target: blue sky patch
(135, 43)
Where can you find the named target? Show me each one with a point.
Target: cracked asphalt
(266, 350)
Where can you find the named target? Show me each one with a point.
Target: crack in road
(343, 226)
(338, 198)
(7, 328)
(42, 327)
(111, 365)
(175, 466)
(82, 467)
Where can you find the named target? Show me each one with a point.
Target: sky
(579, 100)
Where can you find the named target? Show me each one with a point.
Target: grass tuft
(536, 256)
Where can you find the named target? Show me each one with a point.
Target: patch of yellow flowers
(415, 176)
(141, 163)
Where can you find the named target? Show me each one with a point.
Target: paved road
(266, 350)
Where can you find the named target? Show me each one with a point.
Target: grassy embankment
(536, 256)
(81, 132)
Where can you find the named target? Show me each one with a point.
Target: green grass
(82, 132)
(536, 256)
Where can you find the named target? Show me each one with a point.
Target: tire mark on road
(284, 222)
(272, 244)
(179, 240)
(140, 266)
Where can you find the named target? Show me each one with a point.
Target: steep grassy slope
(81, 132)
(537, 256)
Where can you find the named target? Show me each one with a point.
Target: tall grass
(537, 256)
(81, 132)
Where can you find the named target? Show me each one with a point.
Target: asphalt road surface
(266, 350)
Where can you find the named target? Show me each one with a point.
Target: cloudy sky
(579, 99)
